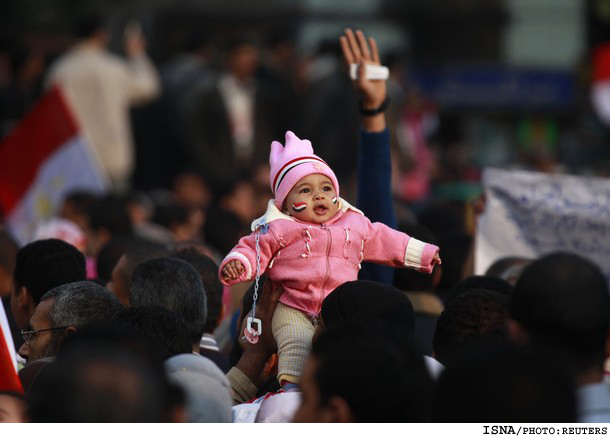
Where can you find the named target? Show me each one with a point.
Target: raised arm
(142, 79)
(374, 160)
(373, 93)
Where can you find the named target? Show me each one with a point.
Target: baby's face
(311, 199)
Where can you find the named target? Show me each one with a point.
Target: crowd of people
(141, 306)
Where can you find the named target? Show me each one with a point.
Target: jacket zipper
(330, 241)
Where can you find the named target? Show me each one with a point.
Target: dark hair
(45, 264)
(208, 271)
(169, 216)
(358, 302)
(112, 251)
(361, 363)
(81, 201)
(505, 384)
(140, 252)
(103, 375)
(8, 251)
(172, 284)
(473, 318)
(562, 299)
(110, 213)
(480, 283)
(166, 334)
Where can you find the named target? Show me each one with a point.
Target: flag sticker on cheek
(298, 207)
(334, 199)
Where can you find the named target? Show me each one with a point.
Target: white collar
(273, 213)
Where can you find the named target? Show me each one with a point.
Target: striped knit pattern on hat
(292, 162)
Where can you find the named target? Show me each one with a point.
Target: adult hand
(255, 356)
(356, 50)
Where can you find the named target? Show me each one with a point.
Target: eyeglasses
(28, 335)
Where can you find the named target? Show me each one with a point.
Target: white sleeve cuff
(244, 260)
(414, 252)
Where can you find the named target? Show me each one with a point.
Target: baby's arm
(240, 264)
(385, 245)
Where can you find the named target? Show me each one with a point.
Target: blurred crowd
(116, 306)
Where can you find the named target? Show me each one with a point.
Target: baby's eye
(326, 188)
(304, 190)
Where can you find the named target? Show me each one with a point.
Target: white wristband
(373, 72)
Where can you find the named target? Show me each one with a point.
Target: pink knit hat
(292, 163)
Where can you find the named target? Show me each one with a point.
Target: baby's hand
(436, 259)
(232, 269)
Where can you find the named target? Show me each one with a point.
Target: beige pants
(293, 331)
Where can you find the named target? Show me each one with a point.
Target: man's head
(40, 266)
(174, 285)
(108, 218)
(364, 374)
(161, 330)
(111, 252)
(242, 58)
(122, 273)
(76, 206)
(361, 302)
(208, 272)
(107, 376)
(562, 301)
(475, 317)
(62, 311)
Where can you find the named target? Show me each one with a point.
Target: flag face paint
(298, 207)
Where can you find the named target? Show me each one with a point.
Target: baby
(310, 242)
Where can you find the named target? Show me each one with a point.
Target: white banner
(530, 214)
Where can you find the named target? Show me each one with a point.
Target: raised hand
(357, 50)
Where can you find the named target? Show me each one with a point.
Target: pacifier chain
(251, 333)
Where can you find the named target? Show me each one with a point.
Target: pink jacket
(311, 260)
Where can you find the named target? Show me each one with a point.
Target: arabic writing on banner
(529, 214)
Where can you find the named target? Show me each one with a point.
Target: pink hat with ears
(293, 162)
